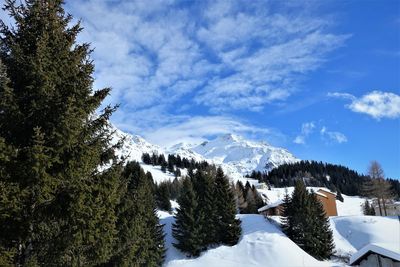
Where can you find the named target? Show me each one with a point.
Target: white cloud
(231, 57)
(376, 104)
(336, 137)
(196, 129)
(306, 129)
(164, 59)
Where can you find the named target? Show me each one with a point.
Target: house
(377, 255)
(327, 199)
(273, 209)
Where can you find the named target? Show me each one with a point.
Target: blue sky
(320, 78)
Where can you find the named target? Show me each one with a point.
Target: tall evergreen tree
(240, 200)
(228, 227)
(320, 238)
(187, 229)
(163, 197)
(306, 223)
(61, 169)
(204, 184)
(140, 239)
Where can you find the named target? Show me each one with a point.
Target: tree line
(173, 164)
(337, 178)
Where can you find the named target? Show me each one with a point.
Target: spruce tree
(306, 223)
(320, 243)
(228, 227)
(187, 229)
(140, 240)
(258, 199)
(240, 200)
(61, 169)
(204, 187)
(163, 196)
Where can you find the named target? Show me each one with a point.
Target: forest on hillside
(335, 177)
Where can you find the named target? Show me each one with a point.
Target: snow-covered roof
(320, 194)
(387, 250)
(272, 205)
(325, 190)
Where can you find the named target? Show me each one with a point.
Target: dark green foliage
(174, 163)
(58, 206)
(61, 187)
(140, 240)
(368, 209)
(204, 184)
(395, 188)
(163, 196)
(248, 200)
(241, 204)
(187, 229)
(306, 223)
(228, 227)
(206, 216)
(340, 178)
(339, 196)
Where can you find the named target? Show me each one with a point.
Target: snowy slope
(351, 233)
(261, 244)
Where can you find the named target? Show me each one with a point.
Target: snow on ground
(261, 244)
(352, 233)
(158, 175)
(350, 206)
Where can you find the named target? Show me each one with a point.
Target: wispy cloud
(306, 129)
(196, 129)
(376, 104)
(173, 62)
(336, 137)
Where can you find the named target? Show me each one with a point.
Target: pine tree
(187, 229)
(287, 216)
(258, 199)
(163, 196)
(204, 187)
(65, 196)
(306, 223)
(368, 209)
(240, 200)
(140, 240)
(320, 238)
(339, 196)
(251, 202)
(228, 227)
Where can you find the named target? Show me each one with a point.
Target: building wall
(375, 260)
(329, 203)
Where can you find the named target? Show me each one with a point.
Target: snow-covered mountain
(235, 154)
(243, 155)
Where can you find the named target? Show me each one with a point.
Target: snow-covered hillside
(236, 155)
(351, 233)
(264, 244)
(261, 244)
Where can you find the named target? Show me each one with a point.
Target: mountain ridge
(236, 155)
